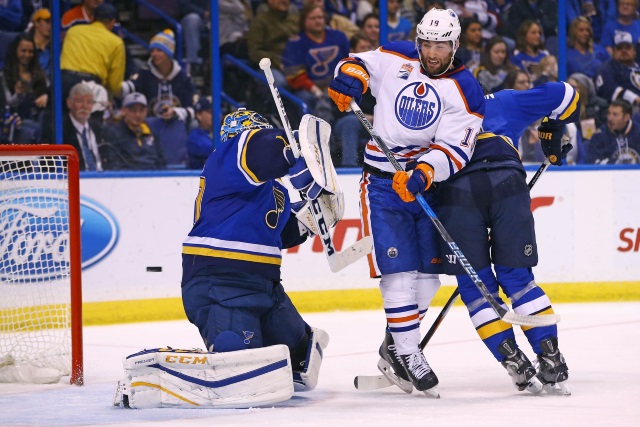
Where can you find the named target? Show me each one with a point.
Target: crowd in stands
(123, 114)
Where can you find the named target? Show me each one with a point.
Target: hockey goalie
(259, 348)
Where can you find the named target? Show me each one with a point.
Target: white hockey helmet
(439, 25)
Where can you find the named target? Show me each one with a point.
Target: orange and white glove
(350, 83)
(408, 184)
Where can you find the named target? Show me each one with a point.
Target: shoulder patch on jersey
(404, 49)
(405, 71)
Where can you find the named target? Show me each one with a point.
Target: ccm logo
(187, 360)
(631, 237)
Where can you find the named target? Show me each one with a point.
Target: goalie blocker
(173, 378)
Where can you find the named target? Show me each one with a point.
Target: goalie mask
(439, 25)
(241, 120)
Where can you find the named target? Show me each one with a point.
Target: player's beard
(435, 70)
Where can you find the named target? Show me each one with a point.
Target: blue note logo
(417, 106)
(99, 232)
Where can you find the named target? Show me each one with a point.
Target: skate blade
(558, 389)
(387, 371)
(432, 392)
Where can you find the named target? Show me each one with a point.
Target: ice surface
(600, 342)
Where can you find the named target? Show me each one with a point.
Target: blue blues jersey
(241, 210)
(618, 81)
(508, 113)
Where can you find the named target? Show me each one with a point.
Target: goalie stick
(337, 260)
(503, 313)
(375, 382)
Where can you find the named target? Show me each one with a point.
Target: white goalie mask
(439, 25)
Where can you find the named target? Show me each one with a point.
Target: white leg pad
(308, 378)
(161, 378)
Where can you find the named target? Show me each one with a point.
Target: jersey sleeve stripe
(243, 161)
(567, 106)
(572, 107)
(450, 156)
(464, 98)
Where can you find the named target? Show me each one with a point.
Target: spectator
(234, 18)
(617, 77)
(548, 70)
(200, 141)
(25, 85)
(529, 49)
(268, 35)
(595, 107)
(130, 144)
(485, 12)
(80, 14)
(597, 12)
(11, 15)
(626, 21)
(583, 55)
(349, 134)
(371, 28)
(307, 73)
(164, 83)
(517, 80)
(494, 65)
(196, 19)
(41, 33)
(398, 27)
(93, 53)
(470, 43)
(337, 21)
(79, 131)
(346, 8)
(545, 12)
(618, 142)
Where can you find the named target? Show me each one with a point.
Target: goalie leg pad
(307, 379)
(166, 377)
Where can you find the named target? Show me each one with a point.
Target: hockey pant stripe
(227, 381)
(176, 395)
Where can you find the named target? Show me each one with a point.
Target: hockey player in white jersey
(429, 109)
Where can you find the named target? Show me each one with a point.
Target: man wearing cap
(130, 144)
(200, 141)
(41, 33)
(619, 78)
(93, 53)
(166, 85)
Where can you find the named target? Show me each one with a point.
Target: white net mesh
(35, 307)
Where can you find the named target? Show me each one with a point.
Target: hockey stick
(375, 382)
(337, 260)
(504, 314)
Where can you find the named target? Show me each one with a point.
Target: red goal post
(40, 264)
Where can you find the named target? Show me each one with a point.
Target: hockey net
(40, 264)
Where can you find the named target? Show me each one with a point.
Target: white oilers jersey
(435, 120)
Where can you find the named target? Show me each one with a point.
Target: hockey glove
(550, 133)
(301, 180)
(350, 83)
(408, 184)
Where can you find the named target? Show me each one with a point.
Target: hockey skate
(391, 366)
(522, 372)
(421, 374)
(553, 371)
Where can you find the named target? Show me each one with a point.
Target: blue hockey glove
(301, 180)
(550, 133)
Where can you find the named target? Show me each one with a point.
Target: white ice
(599, 341)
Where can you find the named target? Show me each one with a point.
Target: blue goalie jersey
(241, 210)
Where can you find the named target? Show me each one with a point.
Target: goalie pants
(497, 200)
(250, 305)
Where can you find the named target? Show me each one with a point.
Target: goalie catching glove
(417, 180)
(551, 134)
(350, 83)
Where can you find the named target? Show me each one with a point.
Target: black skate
(522, 372)
(422, 377)
(553, 371)
(390, 365)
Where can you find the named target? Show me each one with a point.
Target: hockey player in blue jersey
(486, 209)
(231, 287)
